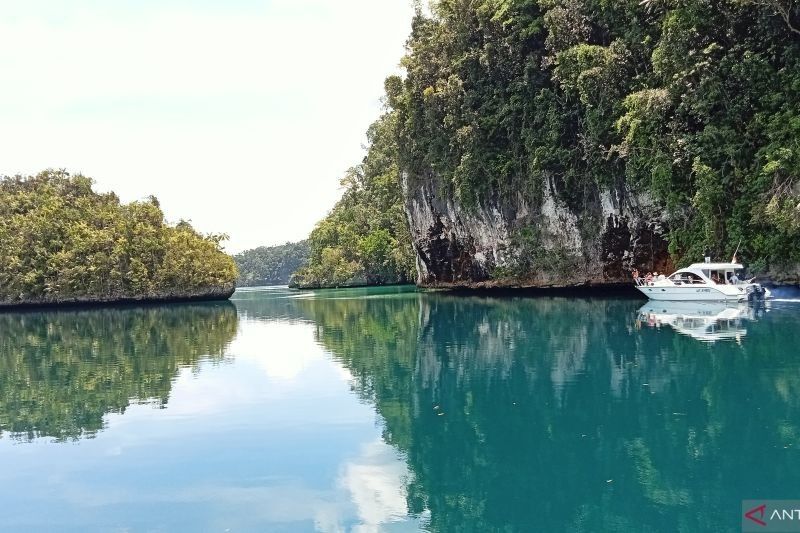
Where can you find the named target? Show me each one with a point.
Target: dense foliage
(271, 265)
(694, 101)
(61, 241)
(364, 240)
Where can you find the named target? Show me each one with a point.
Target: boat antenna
(733, 259)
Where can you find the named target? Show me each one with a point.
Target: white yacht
(703, 282)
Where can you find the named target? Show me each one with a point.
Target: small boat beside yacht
(703, 282)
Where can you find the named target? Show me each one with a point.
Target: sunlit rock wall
(598, 244)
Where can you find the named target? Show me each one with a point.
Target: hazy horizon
(240, 117)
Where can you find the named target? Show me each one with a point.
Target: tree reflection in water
(62, 371)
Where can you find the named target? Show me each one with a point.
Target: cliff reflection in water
(560, 414)
(62, 371)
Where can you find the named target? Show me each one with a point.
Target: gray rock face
(599, 244)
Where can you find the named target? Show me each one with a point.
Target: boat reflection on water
(705, 321)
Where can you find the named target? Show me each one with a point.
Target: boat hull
(691, 294)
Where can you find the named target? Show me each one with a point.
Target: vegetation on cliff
(271, 265)
(694, 102)
(364, 240)
(61, 241)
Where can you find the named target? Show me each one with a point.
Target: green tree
(60, 241)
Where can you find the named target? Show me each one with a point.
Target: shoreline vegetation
(365, 239)
(62, 243)
(223, 294)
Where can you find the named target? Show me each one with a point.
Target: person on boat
(635, 275)
(648, 278)
(734, 279)
(715, 278)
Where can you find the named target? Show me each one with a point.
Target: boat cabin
(707, 274)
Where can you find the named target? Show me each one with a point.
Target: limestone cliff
(522, 243)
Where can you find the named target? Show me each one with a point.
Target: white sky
(239, 115)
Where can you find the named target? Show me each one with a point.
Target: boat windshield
(686, 278)
(725, 277)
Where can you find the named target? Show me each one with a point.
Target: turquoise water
(391, 410)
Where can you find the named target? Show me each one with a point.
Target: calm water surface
(390, 410)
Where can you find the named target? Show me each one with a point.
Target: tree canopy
(61, 241)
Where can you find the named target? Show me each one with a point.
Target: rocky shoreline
(207, 294)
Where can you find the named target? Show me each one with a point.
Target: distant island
(271, 265)
(63, 243)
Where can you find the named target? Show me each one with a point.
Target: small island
(63, 243)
